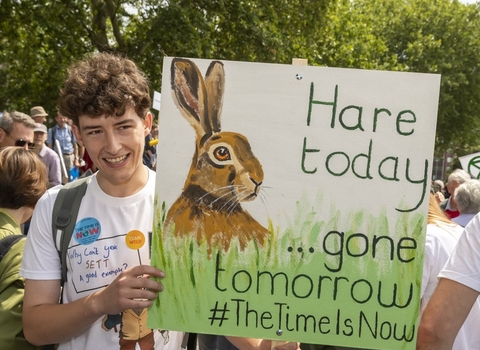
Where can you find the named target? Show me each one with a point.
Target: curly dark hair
(23, 178)
(104, 84)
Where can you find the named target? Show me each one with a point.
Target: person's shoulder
(14, 254)
(152, 175)
(12, 248)
(474, 223)
(7, 221)
(50, 152)
(49, 196)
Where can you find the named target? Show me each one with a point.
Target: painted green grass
(192, 288)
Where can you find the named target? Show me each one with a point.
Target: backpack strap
(7, 242)
(53, 136)
(64, 217)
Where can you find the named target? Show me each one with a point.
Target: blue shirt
(65, 137)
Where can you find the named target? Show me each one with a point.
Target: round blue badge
(87, 231)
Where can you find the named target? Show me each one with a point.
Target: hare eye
(222, 153)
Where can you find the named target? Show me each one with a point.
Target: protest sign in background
(471, 164)
(346, 162)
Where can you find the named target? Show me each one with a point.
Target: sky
(468, 1)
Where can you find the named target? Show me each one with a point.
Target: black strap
(7, 242)
(185, 340)
(65, 212)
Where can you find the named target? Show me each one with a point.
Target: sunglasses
(20, 142)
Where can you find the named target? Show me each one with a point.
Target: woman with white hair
(455, 179)
(467, 197)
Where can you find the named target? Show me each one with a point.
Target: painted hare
(224, 171)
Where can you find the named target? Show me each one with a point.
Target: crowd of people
(104, 126)
(106, 98)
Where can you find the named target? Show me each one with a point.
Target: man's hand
(439, 197)
(132, 289)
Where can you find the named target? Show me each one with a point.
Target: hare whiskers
(228, 190)
(235, 201)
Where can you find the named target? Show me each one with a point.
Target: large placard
(471, 164)
(291, 201)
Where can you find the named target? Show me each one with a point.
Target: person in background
(49, 157)
(467, 197)
(441, 238)
(68, 144)
(88, 168)
(455, 179)
(149, 152)
(439, 190)
(38, 114)
(154, 131)
(454, 304)
(214, 342)
(23, 181)
(16, 129)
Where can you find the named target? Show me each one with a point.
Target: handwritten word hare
(224, 171)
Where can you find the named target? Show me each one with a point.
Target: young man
(108, 286)
(16, 129)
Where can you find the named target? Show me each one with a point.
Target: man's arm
(47, 322)
(76, 153)
(444, 315)
(55, 171)
(50, 140)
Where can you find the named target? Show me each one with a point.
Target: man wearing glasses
(16, 129)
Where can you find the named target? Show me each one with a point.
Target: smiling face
(61, 120)
(39, 140)
(116, 145)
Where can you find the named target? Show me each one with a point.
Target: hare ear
(189, 94)
(215, 86)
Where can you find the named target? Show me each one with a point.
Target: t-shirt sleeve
(464, 263)
(40, 258)
(427, 265)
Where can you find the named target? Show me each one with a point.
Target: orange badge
(135, 239)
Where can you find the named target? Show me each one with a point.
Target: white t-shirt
(463, 266)
(111, 234)
(440, 240)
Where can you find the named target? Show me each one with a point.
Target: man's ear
(76, 131)
(147, 123)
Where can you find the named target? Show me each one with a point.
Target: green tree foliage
(39, 38)
(427, 36)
